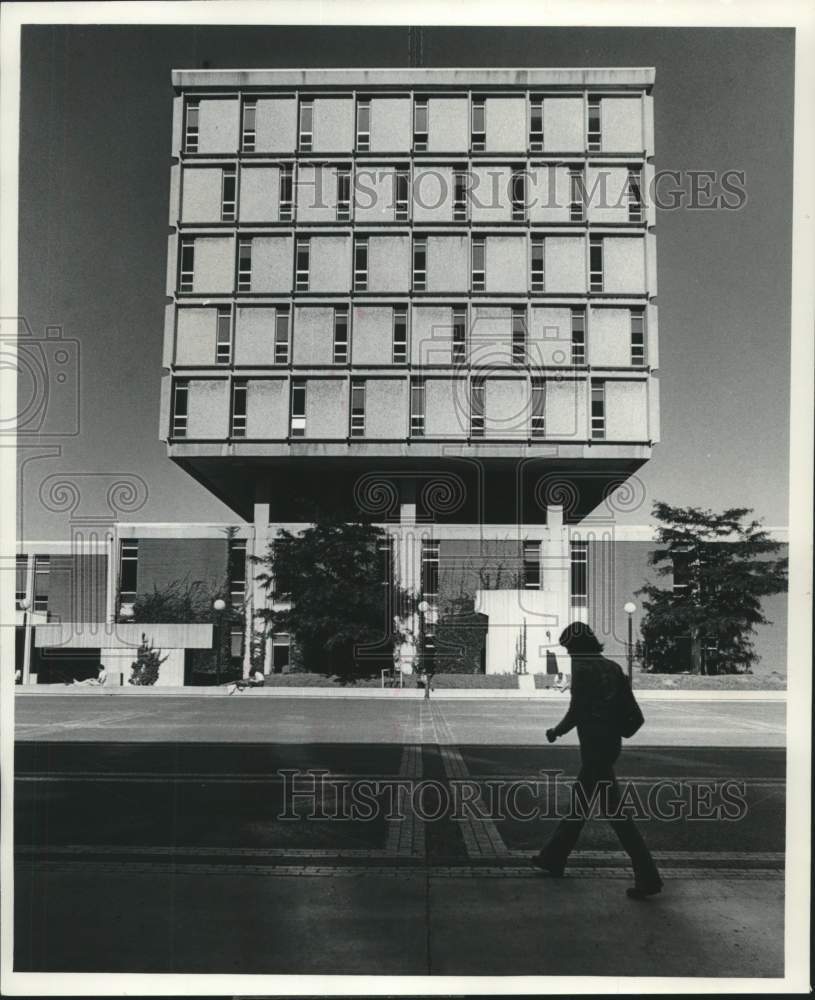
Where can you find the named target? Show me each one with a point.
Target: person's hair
(579, 638)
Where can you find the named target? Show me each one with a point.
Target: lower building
(81, 603)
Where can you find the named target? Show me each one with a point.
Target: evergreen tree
(721, 566)
(146, 665)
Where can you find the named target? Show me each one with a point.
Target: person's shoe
(552, 870)
(644, 890)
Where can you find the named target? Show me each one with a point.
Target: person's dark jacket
(596, 684)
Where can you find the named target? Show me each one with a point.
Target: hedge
(503, 681)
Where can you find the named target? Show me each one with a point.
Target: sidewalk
(407, 922)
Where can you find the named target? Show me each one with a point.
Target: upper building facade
(409, 270)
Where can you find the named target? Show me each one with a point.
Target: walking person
(597, 684)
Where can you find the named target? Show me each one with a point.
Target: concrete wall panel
(214, 264)
(330, 264)
(433, 193)
(272, 264)
(327, 408)
(548, 193)
(607, 192)
(564, 128)
(195, 336)
(389, 264)
(566, 414)
(550, 336)
(391, 124)
(208, 409)
(621, 124)
(565, 264)
(507, 268)
(267, 408)
(374, 195)
(218, 125)
(431, 335)
(626, 411)
(448, 125)
(333, 125)
(313, 339)
(201, 194)
(386, 406)
(316, 193)
(491, 197)
(609, 337)
(448, 264)
(506, 125)
(507, 408)
(254, 335)
(276, 125)
(624, 265)
(446, 412)
(259, 194)
(372, 339)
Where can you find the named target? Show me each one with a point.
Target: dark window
(596, 264)
(343, 194)
(538, 276)
(518, 183)
(248, 126)
(637, 337)
(239, 400)
(518, 335)
(479, 272)
(237, 571)
(460, 195)
(42, 582)
(402, 182)
(532, 565)
(286, 192)
(459, 336)
(478, 137)
(400, 335)
(244, 265)
(281, 335)
(223, 343)
(420, 124)
(594, 135)
(634, 194)
(417, 407)
(181, 392)
(187, 265)
(536, 125)
(478, 400)
(577, 197)
(357, 407)
(598, 409)
(363, 126)
(580, 574)
(419, 263)
(298, 407)
(538, 415)
(361, 264)
(430, 570)
(128, 568)
(229, 189)
(191, 128)
(306, 125)
(302, 266)
(340, 335)
(578, 336)
(20, 579)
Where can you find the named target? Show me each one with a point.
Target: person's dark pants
(597, 776)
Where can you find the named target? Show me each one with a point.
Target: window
(532, 565)
(538, 407)
(302, 254)
(244, 265)
(637, 337)
(420, 125)
(419, 263)
(594, 136)
(460, 195)
(596, 264)
(363, 126)
(128, 568)
(306, 125)
(42, 572)
(580, 574)
(518, 192)
(238, 411)
(181, 392)
(286, 192)
(229, 190)
(20, 580)
(236, 559)
(682, 576)
(223, 338)
(478, 400)
(357, 407)
(478, 130)
(343, 194)
(191, 128)
(459, 336)
(479, 272)
(538, 275)
(361, 264)
(340, 335)
(634, 194)
(298, 407)
(577, 196)
(598, 409)
(430, 570)
(281, 335)
(578, 336)
(248, 126)
(400, 335)
(518, 335)
(536, 125)
(187, 265)
(417, 407)
(402, 182)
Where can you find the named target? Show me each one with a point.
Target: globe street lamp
(218, 606)
(24, 605)
(630, 607)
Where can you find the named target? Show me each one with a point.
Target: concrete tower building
(428, 294)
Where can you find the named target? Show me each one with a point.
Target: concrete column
(408, 565)
(259, 538)
(28, 619)
(556, 566)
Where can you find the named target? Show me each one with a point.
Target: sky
(96, 105)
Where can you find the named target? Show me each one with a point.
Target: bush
(146, 665)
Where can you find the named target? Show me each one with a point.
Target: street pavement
(160, 835)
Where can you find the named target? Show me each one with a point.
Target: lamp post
(629, 608)
(218, 606)
(25, 604)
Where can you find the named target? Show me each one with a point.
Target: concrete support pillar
(259, 538)
(408, 566)
(556, 565)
